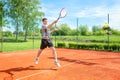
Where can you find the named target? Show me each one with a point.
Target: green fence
(77, 42)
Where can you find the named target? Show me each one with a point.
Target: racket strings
(63, 13)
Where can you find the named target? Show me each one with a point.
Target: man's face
(45, 22)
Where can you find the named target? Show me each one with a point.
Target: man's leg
(55, 56)
(42, 47)
(38, 54)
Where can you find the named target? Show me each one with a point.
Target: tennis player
(46, 42)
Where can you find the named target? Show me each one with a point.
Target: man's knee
(40, 50)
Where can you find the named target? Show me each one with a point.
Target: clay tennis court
(75, 65)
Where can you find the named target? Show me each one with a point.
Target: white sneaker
(57, 64)
(36, 61)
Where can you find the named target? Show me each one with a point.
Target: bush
(61, 45)
(99, 47)
(7, 33)
(91, 46)
(100, 32)
(72, 45)
(105, 47)
(83, 29)
(118, 47)
(115, 32)
(82, 46)
(114, 47)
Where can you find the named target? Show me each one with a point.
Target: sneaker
(57, 64)
(36, 61)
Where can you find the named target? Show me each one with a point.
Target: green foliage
(89, 33)
(1, 13)
(21, 33)
(94, 46)
(95, 39)
(72, 45)
(12, 40)
(83, 29)
(3, 21)
(7, 34)
(61, 45)
(74, 32)
(115, 32)
(100, 32)
(66, 42)
(64, 29)
(24, 14)
(95, 29)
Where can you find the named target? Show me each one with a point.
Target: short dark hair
(44, 19)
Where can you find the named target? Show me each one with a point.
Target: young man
(46, 42)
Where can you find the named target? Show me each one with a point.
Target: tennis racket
(62, 13)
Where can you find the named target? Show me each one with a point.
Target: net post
(77, 31)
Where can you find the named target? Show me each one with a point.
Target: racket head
(63, 13)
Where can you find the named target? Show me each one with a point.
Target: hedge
(90, 46)
(61, 45)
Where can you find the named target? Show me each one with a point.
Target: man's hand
(55, 29)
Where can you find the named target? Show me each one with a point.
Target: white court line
(41, 72)
(31, 75)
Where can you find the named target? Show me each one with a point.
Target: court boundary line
(34, 74)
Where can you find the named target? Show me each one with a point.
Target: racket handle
(58, 18)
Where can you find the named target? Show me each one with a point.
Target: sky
(88, 12)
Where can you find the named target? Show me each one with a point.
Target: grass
(101, 39)
(112, 37)
(10, 46)
(16, 46)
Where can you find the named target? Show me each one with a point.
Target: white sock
(55, 56)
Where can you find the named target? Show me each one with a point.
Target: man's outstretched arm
(54, 22)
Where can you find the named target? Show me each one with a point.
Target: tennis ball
(106, 26)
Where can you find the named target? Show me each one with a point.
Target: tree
(24, 13)
(64, 29)
(74, 32)
(3, 21)
(100, 32)
(95, 29)
(115, 31)
(14, 12)
(32, 15)
(83, 29)
(21, 33)
(1, 13)
(7, 33)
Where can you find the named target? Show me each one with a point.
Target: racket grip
(58, 18)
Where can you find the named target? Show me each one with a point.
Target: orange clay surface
(75, 65)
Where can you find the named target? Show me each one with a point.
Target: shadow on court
(74, 61)
(104, 58)
(11, 71)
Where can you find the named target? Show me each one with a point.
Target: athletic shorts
(46, 43)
